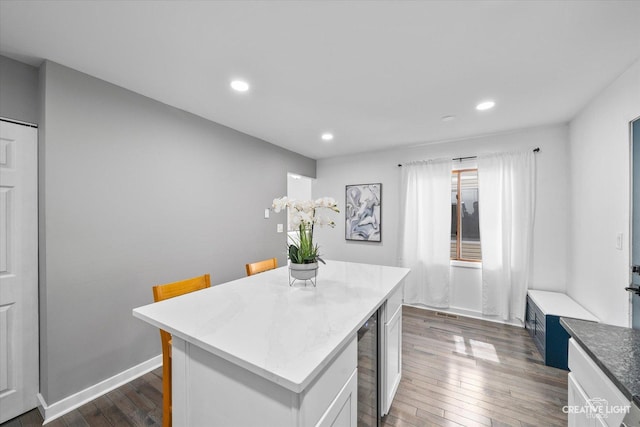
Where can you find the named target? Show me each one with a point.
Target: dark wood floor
(456, 372)
(138, 403)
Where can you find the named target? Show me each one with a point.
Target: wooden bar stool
(162, 292)
(260, 266)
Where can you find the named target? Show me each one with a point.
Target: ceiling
(376, 74)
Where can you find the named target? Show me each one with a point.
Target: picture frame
(363, 212)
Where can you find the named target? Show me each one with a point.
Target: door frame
(631, 213)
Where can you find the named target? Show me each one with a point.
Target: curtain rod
(535, 150)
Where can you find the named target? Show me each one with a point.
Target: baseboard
(471, 314)
(68, 404)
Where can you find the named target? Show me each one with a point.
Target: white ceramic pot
(303, 271)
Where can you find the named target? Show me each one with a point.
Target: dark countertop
(616, 350)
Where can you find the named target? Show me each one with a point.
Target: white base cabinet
(343, 411)
(208, 390)
(391, 346)
(593, 399)
(581, 406)
(393, 359)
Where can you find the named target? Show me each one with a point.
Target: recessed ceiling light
(447, 118)
(327, 136)
(239, 85)
(485, 105)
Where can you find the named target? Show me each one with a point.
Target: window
(465, 230)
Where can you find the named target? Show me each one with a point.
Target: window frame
(458, 257)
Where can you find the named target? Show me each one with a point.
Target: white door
(298, 188)
(18, 270)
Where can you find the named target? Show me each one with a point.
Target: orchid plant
(304, 215)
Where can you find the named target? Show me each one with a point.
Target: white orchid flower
(280, 204)
(327, 202)
(324, 221)
(295, 221)
(303, 216)
(331, 204)
(306, 217)
(304, 206)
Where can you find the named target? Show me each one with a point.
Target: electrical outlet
(266, 214)
(619, 237)
(280, 228)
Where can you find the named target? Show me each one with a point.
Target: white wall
(599, 153)
(550, 235)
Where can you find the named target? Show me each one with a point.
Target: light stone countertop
(284, 334)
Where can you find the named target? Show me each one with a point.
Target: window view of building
(465, 230)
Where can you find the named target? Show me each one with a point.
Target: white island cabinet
(256, 351)
(391, 348)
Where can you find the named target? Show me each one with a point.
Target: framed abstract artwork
(363, 209)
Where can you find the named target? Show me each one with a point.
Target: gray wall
(18, 91)
(137, 193)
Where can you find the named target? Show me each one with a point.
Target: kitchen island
(256, 351)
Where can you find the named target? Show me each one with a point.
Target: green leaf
(293, 253)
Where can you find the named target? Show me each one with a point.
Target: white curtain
(425, 231)
(506, 186)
